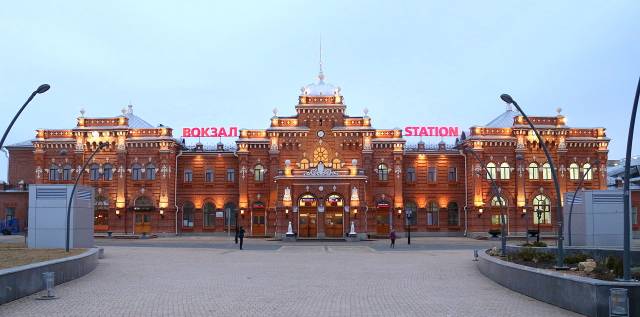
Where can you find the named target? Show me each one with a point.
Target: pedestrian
(392, 237)
(236, 235)
(241, 236)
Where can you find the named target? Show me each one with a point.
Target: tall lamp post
(626, 256)
(73, 190)
(496, 193)
(560, 259)
(409, 214)
(42, 89)
(573, 199)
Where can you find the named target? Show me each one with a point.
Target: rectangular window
(453, 174)
(188, 176)
(66, 174)
(432, 175)
(208, 176)
(634, 215)
(108, 173)
(53, 174)
(10, 213)
(411, 175)
(231, 175)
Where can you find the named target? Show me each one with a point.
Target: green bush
(614, 264)
(531, 255)
(575, 258)
(539, 244)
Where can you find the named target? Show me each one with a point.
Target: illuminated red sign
(431, 131)
(211, 132)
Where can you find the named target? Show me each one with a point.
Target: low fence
(20, 281)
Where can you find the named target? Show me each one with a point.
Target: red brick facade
(318, 169)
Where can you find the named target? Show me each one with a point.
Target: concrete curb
(20, 281)
(582, 295)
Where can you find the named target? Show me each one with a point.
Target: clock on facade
(320, 155)
(320, 134)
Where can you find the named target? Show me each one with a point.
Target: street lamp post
(409, 215)
(42, 89)
(496, 193)
(573, 199)
(73, 190)
(626, 256)
(539, 215)
(560, 259)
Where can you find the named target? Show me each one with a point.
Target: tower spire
(321, 74)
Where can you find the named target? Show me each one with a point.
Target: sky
(206, 63)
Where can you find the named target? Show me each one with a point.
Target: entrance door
(143, 223)
(258, 223)
(382, 222)
(308, 224)
(333, 223)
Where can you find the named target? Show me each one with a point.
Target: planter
(582, 295)
(25, 280)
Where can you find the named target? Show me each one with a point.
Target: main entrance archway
(308, 216)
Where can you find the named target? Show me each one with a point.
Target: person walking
(237, 235)
(392, 237)
(241, 236)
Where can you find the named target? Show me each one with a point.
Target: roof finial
(321, 74)
(130, 108)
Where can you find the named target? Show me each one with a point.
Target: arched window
(505, 171)
(546, 171)
(209, 211)
(336, 164)
(533, 171)
(411, 210)
(53, 173)
(334, 200)
(574, 171)
(188, 175)
(432, 213)
(304, 164)
(107, 172)
(150, 172)
(587, 172)
(383, 172)
(541, 209)
(258, 173)
(143, 203)
(307, 200)
(66, 173)
(94, 172)
(453, 214)
(136, 172)
(411, 175)
(491, 171)
(497, 201)
(187, 214)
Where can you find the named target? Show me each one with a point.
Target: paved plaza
(276, 279)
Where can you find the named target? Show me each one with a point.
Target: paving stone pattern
(294, 280)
